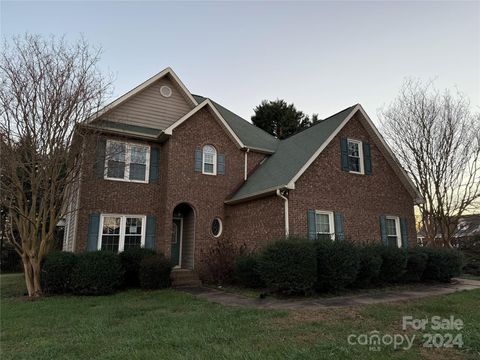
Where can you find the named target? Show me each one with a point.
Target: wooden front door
(176, 241)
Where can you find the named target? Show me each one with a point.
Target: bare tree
(47, 87)
(437, 139)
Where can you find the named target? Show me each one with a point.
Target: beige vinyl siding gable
(150, 109)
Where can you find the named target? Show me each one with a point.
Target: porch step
(184, 278)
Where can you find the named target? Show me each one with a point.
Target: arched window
(209, 162)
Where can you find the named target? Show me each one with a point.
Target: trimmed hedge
(288, 266)
(416, 264)
(246, 271)
(442, 264)
(394, 263)
(130, 260)
(155, 272)
(338, 263)
(370, 265)
(96, 273)
(57, 272)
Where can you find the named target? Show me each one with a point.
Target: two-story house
(177, 172)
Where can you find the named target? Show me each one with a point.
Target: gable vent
(165, 91)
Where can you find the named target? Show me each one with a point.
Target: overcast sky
(322, 56)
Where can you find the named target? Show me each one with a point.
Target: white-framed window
(324, 225)
(209, 160)
(394, 236)
(127, 161)
(121, 232)
(355, 156)
(217, 227)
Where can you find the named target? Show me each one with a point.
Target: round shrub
(130, 260)
(337, 264)
(288, 266)
(57, 271)
(394, 263)
(369, 269)
(246, 271)
(155, 272)
(442, 264)
(416, 264)
(96, 273)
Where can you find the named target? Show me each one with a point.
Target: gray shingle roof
(291, 154)
(249, 134)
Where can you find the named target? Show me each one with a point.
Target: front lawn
(172, 325)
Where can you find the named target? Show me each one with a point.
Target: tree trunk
(32, 276)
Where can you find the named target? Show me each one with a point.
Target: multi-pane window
(393, 231)
(324, 225)
(355, 156)
(121, 232)
(126, 161)
(209, 160)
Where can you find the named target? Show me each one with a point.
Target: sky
(322, 56)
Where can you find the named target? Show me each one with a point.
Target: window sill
(356, 172)
(126, 180)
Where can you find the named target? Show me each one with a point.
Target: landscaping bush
(394, 263)
(442, 264)
(338, 263)
(218, 262)
(155, 272)
(246, 271)
(96, 273)
(288, 266)
(57, 271)
(369, 269)
(416, 264)
(130, 260)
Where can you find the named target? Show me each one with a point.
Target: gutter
(279, 194)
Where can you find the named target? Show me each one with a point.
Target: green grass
(172, 325)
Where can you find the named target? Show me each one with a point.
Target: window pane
(137, 172)
(111, 225)
(116, 169)
(110, 242)
(116, 151)
(133, 233)
(138, 154)
(208, 168)
(391, 227)
(354, 164)
(392, 241)
(353, 149)
(323, 223)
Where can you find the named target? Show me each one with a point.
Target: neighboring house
(468, 228)
(178, 172)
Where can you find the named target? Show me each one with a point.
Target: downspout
(279, 194)
(245, 175)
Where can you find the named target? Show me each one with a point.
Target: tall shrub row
(102, 272)
(299, 266)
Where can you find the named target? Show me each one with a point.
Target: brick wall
(361, 199)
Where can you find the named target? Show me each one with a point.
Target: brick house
(177, 172)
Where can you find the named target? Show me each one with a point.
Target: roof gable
(295, 154)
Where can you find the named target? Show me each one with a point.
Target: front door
(176, 241)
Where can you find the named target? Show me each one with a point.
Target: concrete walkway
(416, 292)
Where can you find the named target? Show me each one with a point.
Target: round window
(217, 227)
(165, 91)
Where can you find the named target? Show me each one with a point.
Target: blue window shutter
(221, 164)
(344, 147)
(93, 231)
(198, 160)
(312, 228)
(150, 232)
(383, 230)
(154, 166)
(99, 167)
(339, 232)
(367, 159)
(404, 232)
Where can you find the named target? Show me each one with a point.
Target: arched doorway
(182, 247)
